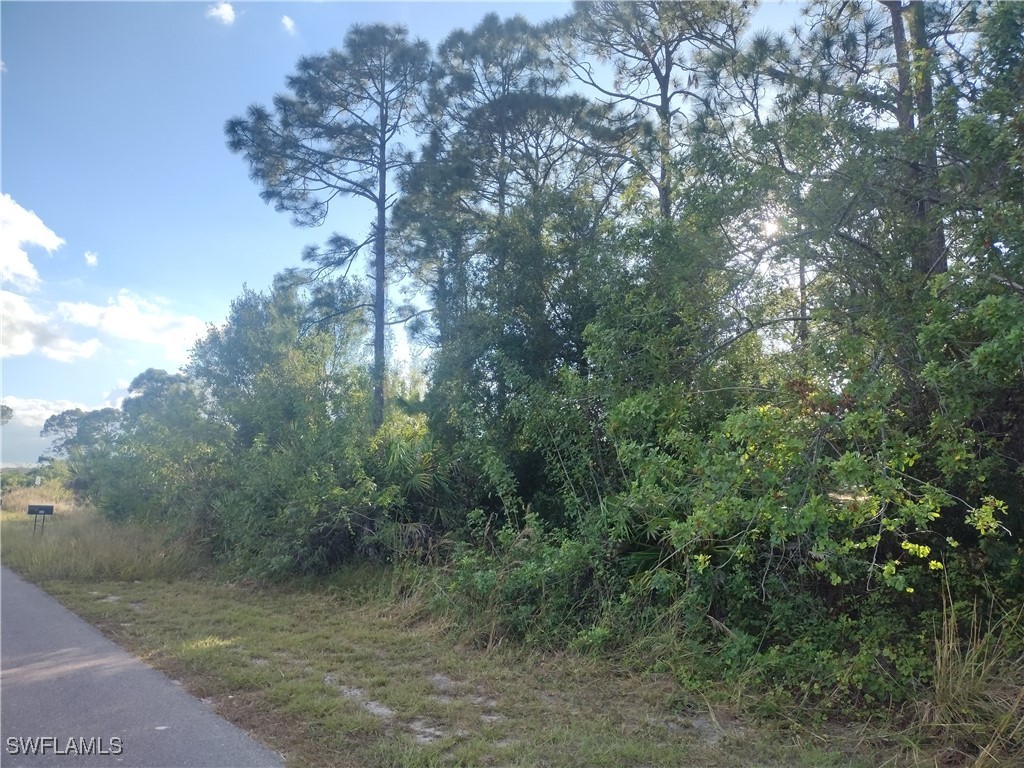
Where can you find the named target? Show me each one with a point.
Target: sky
(126, 225)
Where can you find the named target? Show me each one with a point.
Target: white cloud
(19, 228)
(289, 24)
(25, 330)
(127, 317)
(134, 318)
(91, 258)
(115, 397)
(3, 66)
(33, 410)
(22, 444)
(222, 12)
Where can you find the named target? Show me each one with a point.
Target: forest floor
(360, 672)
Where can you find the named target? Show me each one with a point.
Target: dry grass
(976, 707)
(78, 544)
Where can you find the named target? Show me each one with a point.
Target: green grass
(359, 670)
(348, 679)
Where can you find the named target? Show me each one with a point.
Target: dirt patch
(360, 697)
(707, 730)
(423, 730)
(442, 683)
(448, 693)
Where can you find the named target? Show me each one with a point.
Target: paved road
(61, 681)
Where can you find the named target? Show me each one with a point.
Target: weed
(975, 706)
(362, 669)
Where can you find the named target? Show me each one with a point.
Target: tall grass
(79, 544)
(976, 702)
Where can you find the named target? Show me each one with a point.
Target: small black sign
(40, 509)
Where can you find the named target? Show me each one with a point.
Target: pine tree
(339, 134)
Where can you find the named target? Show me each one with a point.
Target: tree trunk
(904, 99)
(914, 74)
(380, 286)
(931, 258)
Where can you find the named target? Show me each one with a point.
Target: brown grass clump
(976, 707)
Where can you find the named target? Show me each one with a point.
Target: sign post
(36, 510)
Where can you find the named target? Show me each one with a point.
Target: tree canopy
(723, 331)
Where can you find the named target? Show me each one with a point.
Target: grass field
(357, 671)
(79, 544)
(345, 679)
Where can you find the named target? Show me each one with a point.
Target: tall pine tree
(339, 134)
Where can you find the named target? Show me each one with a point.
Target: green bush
(533, 584)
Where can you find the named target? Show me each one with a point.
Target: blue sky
(127, 225)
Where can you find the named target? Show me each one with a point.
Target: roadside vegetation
(377, 666)
(722, 362)
(78, 544)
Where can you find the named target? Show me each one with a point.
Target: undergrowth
(955, 693)
(962, 687)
